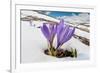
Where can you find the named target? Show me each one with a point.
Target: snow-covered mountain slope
(44, 18)
(36, 14)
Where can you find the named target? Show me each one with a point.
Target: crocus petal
(55, 29)
(45, 31)
(61, 22)
(60, 28)
(64, 32)
(68, 35)
(52, 29)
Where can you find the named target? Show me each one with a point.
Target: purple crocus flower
(49, 31)
(64, 33)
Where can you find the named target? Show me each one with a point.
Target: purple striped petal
(60, 28)
(64, 32)
(52, 29)
(45, 31)
(68, 35)
(55, 29)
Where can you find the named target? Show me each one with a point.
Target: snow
(33, 44)
(80, 18)
(82, 33)
(85, 27)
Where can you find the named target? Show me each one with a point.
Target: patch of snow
(33, 44)
(82, 33)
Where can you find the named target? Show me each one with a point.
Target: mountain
(37, 19)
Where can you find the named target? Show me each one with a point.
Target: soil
(60, 53)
